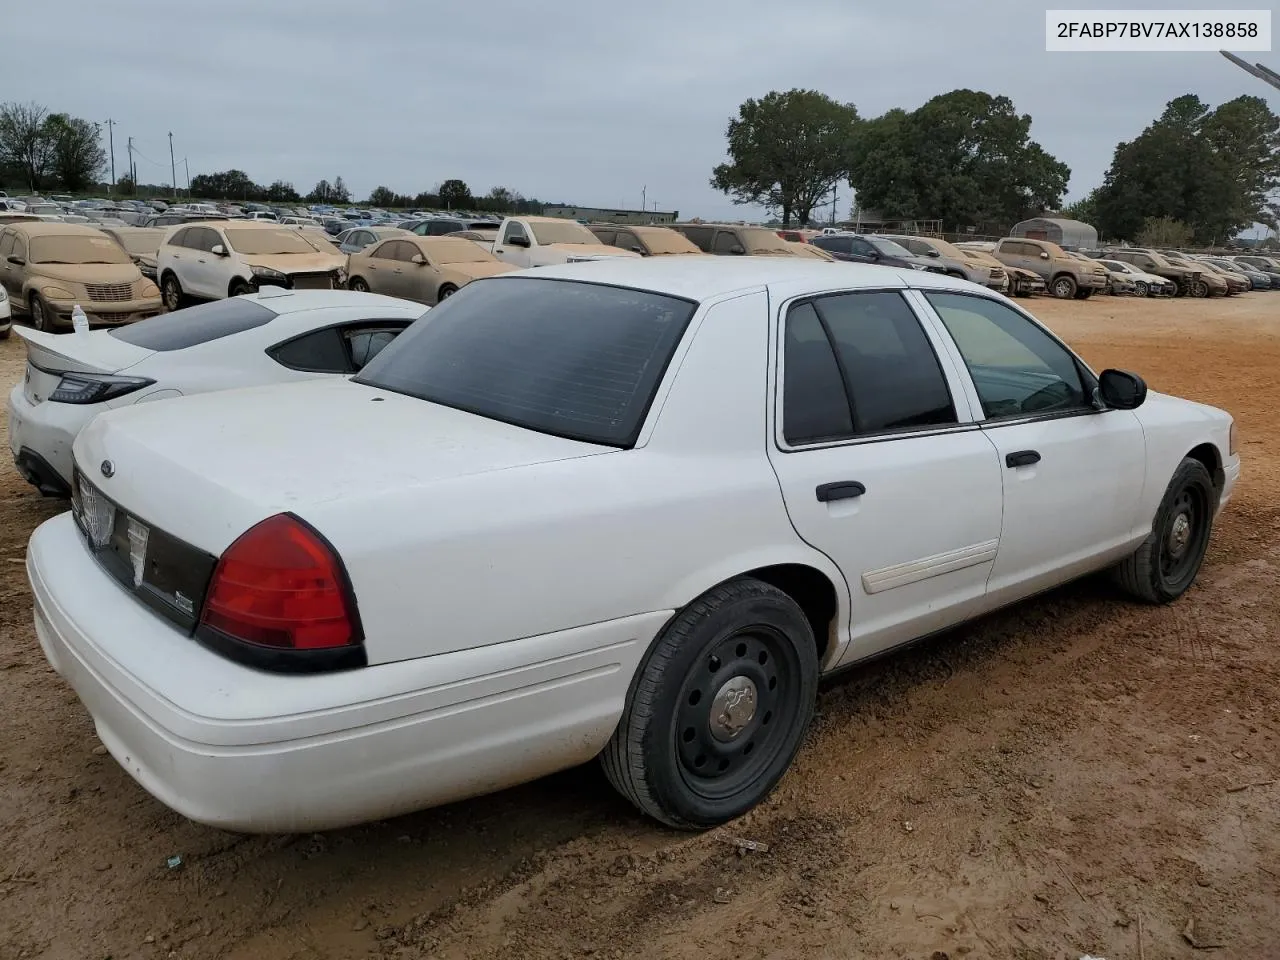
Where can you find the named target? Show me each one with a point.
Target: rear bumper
(240, 749)
(40, 438)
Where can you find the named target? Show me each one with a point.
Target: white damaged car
(631, 509)
(276, 336)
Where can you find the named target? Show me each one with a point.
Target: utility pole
(644, 191)
(835, 200)
(187, 169)
(111, 140)
(133, 171)
(173, 167)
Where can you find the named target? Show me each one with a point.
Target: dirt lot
(1059, 779)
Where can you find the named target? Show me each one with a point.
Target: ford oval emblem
(108, 468)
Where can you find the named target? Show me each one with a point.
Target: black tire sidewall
(40, 316)
(666, 781)
(358, 285)
(1193, 473)
(1060, 280)
(165, 282)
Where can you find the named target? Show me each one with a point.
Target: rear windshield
(576, 360)
(195, 325)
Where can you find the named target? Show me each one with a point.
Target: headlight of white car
(3, 295)
(266, 273)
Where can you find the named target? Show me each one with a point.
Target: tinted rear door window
(577, 360)
(321, 351)
(195, 325)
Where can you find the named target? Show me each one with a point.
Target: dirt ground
(1076, 775)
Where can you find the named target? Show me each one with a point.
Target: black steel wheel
(718, 709)
(1166, 564)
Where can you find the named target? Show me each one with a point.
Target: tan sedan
(426, 269)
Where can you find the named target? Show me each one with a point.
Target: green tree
(281, 191)
(455, 195)
(382, 197)
(787, 151)
(499, 200)
(1164, 232)
(1085, 209)
(963, 157)
(24, 141)
(125, 185)
(76, 145)
(226, 185)
(339, 192)
(322, 192)
(1214, 170)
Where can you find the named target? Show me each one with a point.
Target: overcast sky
(579, 101)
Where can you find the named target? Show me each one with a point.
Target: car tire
(1199, 289)
(4, 334)
(1140, 289)
(672, 755)
(1084, 294)
(358, 284)
(1166, 564)
(446, 291)
(239, 288)
(41, 317)
(171, 294)
(1063, 287)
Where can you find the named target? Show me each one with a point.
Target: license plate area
(167, 574)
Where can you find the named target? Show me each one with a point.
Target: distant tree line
(967, 158)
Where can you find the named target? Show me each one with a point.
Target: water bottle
(79, 322)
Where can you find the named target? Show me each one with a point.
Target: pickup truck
(542, 241)
(1065, 276)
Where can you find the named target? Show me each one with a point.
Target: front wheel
(1140, 289)
(41, 315)
(1199, 289)
(239, 288)
(1166, 564)
(718, 709)
(1064, 287)
(358, 284)
(447, 291)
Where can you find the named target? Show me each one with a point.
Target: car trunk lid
(50, 355)
(205, 468)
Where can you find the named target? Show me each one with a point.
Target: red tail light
(281, 586)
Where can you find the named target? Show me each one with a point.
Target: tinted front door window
(1017, 368)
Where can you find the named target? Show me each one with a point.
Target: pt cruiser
(631, 509)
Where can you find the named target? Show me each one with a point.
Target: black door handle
(1023, 458)
(842, 490)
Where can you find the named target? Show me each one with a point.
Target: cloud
(565, 100)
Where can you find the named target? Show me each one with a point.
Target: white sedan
(276, 336)
(630, 509)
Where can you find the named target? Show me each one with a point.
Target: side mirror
(418, 259)
(933, 253)
(738, 250)
(1121, 389)
(17, 261)
(218, 250)
(518, 242)
(1044, 254)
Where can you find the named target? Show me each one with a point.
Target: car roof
(705, 278)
